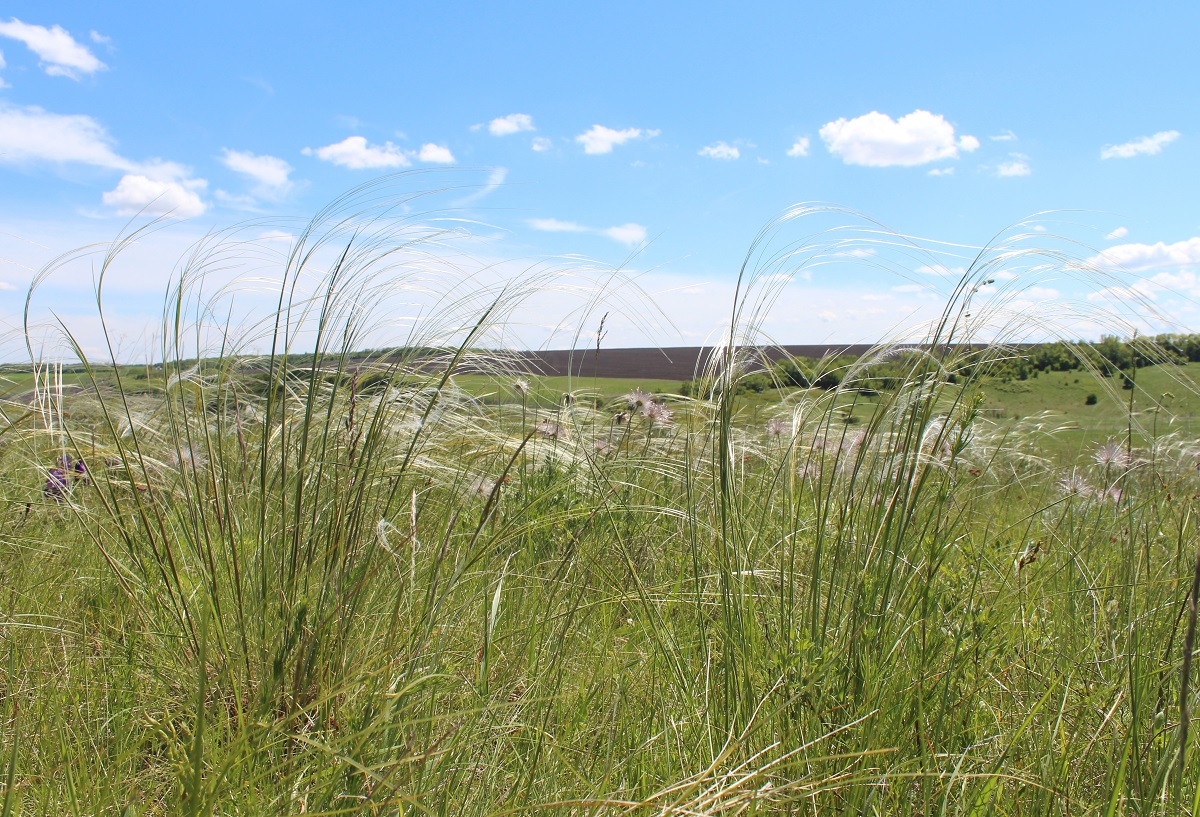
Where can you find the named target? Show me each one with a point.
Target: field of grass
(276, 592)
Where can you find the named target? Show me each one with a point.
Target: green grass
(278, 594)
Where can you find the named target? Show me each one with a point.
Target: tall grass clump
(294, 577)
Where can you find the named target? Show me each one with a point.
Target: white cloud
(630, 235)
(153, 187)
(136, 194)
(436, 154)
(942, 270)
(1007, 136)
(1018, 165)
(541, 144)
(720, 150)
(2, 62)
(238, 201)
(942, 171)
(827, 316)
(799, 148)
(494, 180)
(31, 134)
(99, 39)
(353, 152)
(59, 53)
(508, 125)
(1144, 146)
(877, 140)
(599, 139)
(268, 172)
(1144, 257)
(1120, 232)
(1040, 293)
(554, 225)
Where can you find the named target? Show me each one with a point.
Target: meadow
(434, 585)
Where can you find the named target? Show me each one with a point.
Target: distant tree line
(1110, 356)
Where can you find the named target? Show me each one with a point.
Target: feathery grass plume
(324, 580)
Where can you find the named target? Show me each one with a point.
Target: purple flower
(1112, 455)
(56, 485)
(1075, 485)
(639, 398)
(657, 413)
(551, 429)
(80, 472)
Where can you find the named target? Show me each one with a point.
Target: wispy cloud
(877, 140)
(631, 235)
(554, 225)
(1143, 146)
(599, 139)
(31, 135)
(1007, 136)
(494, 180)
(270, 174)
(1120, 232)
(59, 53)
(541, 144)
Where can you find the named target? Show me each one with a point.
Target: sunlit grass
(406, 587)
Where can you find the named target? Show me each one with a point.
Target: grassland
(293, 589)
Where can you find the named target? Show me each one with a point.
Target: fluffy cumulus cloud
(508, 125)
(1016, 165)
(1118, 233)
(1148, 257)
(270, 174)
(877, 140)
(720, 150)
(1144, 146)
(799, 148)
(436, 154)
(355, 153)
(58, 52)
(137, 194)
(631, 235)
(30, 135)
(599, 139)
(1181, 282)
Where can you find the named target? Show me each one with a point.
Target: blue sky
(661, 137)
